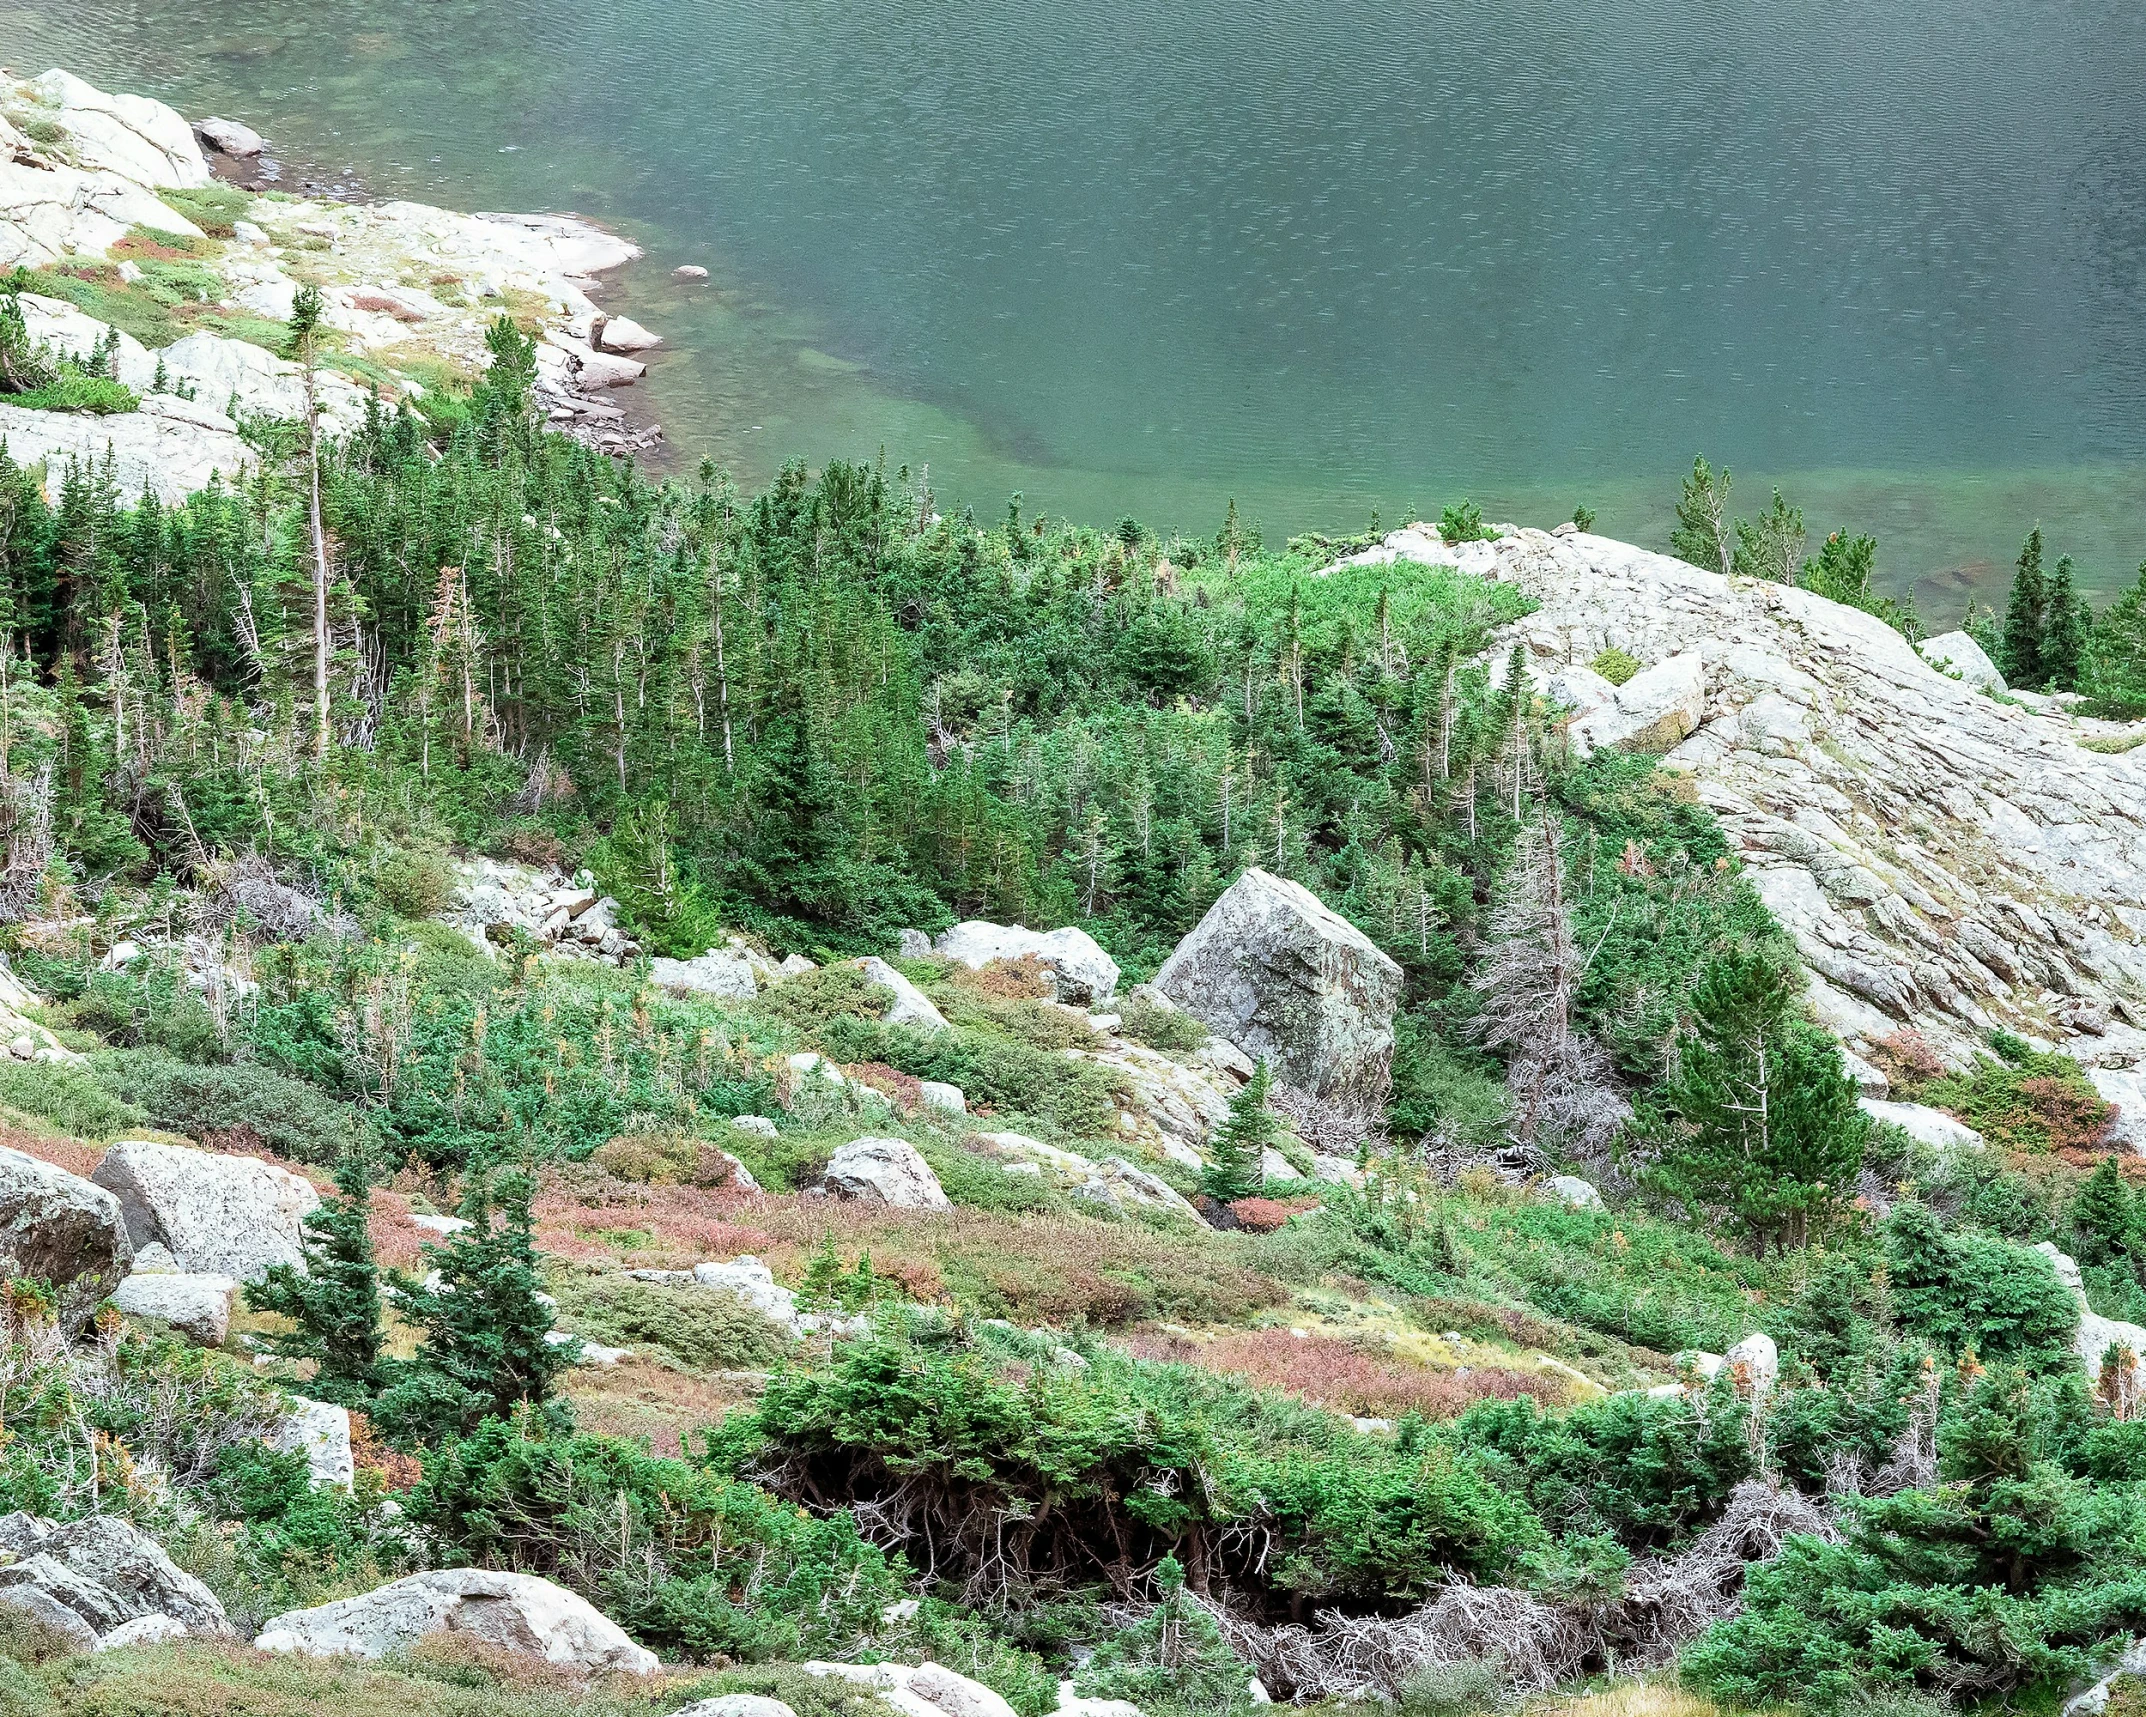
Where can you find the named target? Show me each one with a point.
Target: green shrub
(1171, 1030)
(414, 883)
(241, 1104)
(1615, 665)
(73, 391)
(1969, 1292)
(1012, 1077)
(811, 1001)
(695, 1326)
(690, 1562)
(73, 1099)
(2027, 1101)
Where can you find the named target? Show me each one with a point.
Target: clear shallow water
(1319, 255)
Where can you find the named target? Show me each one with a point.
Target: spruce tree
(1761, 1122)
(2104, 1215)
(335, 1302)
(1239, 1166)
(484, 1323)
(2026, 618)
(2064, 637)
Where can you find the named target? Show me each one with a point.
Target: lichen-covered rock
(322, 1431)
(59, 1228)
(143, 1630)
(1280, 975)
(218, 1215)
(884, 1171)
(715, 973)
(1121, 1188)
(107, 1571)
(1653, 711)
(910, 1006)
(736, 1705)
(752, 1283)
(519, 1612)
(2125, 1088)
(1580, 1194)
(195, 1306)
(1075, 967)
(947, 1099)
(925, 1690)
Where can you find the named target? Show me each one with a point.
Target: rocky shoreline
(135, 232)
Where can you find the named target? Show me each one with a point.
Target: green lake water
(1324, 257)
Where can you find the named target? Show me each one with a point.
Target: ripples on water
(1323, 256)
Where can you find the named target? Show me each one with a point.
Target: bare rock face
(1075, 966)
(62, 1229)
(715, 973)
(1944, 862)
(517, 1611)
(885, 1171)
(1280, 975)
(1958, 655)
(220, 1215)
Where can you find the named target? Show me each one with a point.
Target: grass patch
(212, 208)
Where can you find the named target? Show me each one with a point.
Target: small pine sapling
(335, 1303)
(1239, 1166)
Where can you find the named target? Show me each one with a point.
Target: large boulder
(925, 1690)
(1280, 975)
(195, 1306)
(320, 1430)
(517, 1611)
(107, 1572)
(1957, 654)
(718, 972)
(221, 1215)
(1923, 1124)
(2097, 1335)
(1654, 711)
(884, 1171)
(130, 135)
(1075, 968)
(59, 1228)
(910, 1005)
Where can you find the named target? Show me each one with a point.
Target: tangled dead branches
(1535, 1643)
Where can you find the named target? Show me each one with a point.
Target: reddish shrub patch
(1265, 1215)
(1346, 1375)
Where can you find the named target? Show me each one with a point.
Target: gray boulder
(885, 1171)
(52, 1615)
(1280, 975)
(1923, 1124)
(1578, 1193)
(1957, 654)
(220, 1215)
(517, 1611)
(197, 1307)
(229, 137)
(1074, 965)
(715, 973)
(736, 1705)
(143, 1630)
(59, 1228)
(910, 1006)
(322, 1431)
(1653, 711)
(106, 1572)
(914, 945)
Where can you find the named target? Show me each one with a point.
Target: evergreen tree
(484, 1324)
(1239, 1166)
(2070, 625)
(335, 1302)
(1772, 546)
(2026, 619)
(2104, 1215)
(2113, 665)
(1761, 1123)
(1703, 534)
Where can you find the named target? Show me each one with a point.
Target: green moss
(1615, 665)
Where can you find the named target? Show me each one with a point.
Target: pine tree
(2070, 625)
(1703, 535)
(1239, 1166)
(484, 1352)
(1761, 1122)
(335, 1302)
(2026, 619)
(2104, 1215)
(2113, 671)
(1772, 546)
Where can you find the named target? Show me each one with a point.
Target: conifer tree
(2064, 637)
(2104, 1215)
(1703, 534)
(1239, 1166)
(1762, 1123)
(484, 1352)
(335, 1302)
(2026, 618)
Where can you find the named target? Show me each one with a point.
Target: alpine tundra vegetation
(628, 1097)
